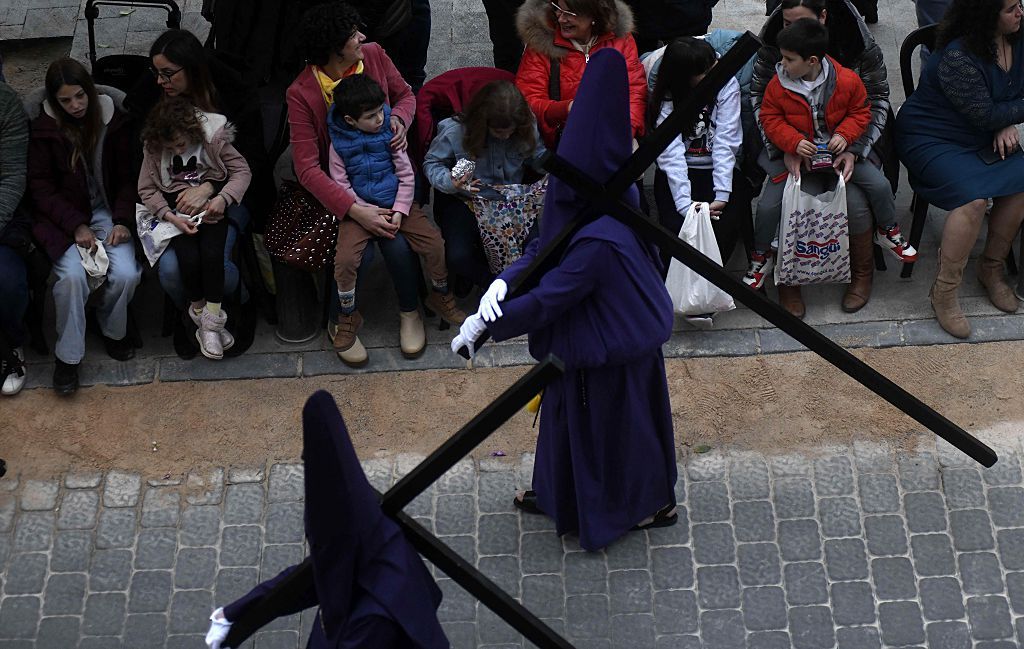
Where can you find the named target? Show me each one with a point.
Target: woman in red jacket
(569, 31)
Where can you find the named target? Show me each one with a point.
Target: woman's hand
(215, 209)
(186, 226)
(118, 234)
(793, 164)
(85, 237)
(837, 144)
(844, 164)
(193, 200)
(716, 208)
(1006, 141)
(375, 220)
(399, 141)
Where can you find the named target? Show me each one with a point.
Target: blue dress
(955, 113)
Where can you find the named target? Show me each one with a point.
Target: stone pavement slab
(817, 550)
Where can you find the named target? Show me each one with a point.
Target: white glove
(219, 627)
(489, 309)
(470, 331)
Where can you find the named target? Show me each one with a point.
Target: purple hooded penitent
(606, 451)
(371, 586)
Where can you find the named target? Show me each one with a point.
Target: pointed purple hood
(356, 549)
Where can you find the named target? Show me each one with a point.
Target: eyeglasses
(559, 12)
(165, 75)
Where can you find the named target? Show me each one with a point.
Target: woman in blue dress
(958, 138)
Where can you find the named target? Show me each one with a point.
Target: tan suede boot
(990, 273)
(412, 338)
(862, 271)
(791, 300)
(346, 343)
(944, 299)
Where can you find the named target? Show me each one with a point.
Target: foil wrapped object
(462, 168)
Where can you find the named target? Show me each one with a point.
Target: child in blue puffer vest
(362, 160)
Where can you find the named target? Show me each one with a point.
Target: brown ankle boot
(862, 270)
(990, 273)
(444, 305)
(944, 299)
(791, 300)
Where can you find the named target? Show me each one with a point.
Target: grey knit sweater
(13, 152)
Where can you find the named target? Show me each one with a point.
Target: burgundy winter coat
(60, 194)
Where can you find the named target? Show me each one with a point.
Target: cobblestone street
(843, 547)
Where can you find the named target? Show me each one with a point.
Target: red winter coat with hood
(544, 41)
(60, 194)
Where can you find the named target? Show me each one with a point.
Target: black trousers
(501, 20)
(201, 260)
(463, 250)
(408, 48)
(736, 222)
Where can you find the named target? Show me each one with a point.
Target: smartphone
(988, 156)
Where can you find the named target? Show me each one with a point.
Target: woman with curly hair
(334, 48)
(184, 148)
(498, 132)
(958, 138)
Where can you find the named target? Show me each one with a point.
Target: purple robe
(606, 449)
(371, 586)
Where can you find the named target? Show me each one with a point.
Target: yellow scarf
(327, 85)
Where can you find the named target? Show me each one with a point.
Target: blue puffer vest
(367, 158)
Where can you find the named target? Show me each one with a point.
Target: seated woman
(957, 135)
(700, 165)
(83, 196)
(498, 132)
(14, 239)
(181, 68)
(851, 44)
(334, 48)
(569, 32)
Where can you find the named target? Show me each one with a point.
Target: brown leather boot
(443, 304)
(862, 271)
(345, 341)
(990, 273)
(791, 300)
(944, 299)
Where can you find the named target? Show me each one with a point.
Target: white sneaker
(14, 373)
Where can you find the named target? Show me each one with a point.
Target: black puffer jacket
(665, 20)
(854, 47)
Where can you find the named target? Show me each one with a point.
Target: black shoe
(119, 350)
(242, 327)
(528, 503)
(65, 378)
(185, 345)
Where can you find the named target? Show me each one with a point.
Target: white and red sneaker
(761, 263)
(892, 240)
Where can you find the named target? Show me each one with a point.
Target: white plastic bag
(692, 294)
(96, 264)
(814, 237)
(154, 234)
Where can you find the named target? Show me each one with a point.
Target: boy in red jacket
(814, 104)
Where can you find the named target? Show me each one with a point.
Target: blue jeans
(402, 266)
(169, 271)
(13, 296)
(71, 291)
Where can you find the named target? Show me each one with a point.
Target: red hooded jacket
(544, 41)
(786, 116)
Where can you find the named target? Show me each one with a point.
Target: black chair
(924, 36)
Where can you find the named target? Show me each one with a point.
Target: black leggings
(736, 222)
(201, 260)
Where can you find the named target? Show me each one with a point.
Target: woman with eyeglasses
(958, 137)
(181, 67)
(560, 38)
(83, 205)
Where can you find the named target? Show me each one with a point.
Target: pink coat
(307, 119)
